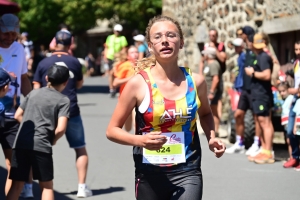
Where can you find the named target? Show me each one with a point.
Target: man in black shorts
(262, 98)
(245, 101)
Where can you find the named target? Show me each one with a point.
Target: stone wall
(197, 16)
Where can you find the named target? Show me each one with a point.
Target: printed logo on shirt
(261, 107)
(255, 62)
(1, 59)
(176, 115)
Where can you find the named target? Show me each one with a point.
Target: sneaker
(292, 162)
(252, 150)
(84, 192)
(236, 148)
(297, 168)
(113, 93)
(263, 158)
(26, 192)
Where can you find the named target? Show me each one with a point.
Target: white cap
(238, 42)
(209, 51)
(139, 38)
(118, 27)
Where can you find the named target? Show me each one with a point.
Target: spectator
(123, 73)
(141, 45)
(28, 45)
(75, 130)
(114, 44)
(14, 62)
(90, 64)
(43, 116)
(294, 162)
(286, 104)
(52, 44)
(262, 98)
(212, 72)
(221, 58)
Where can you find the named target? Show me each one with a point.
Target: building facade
(280, 19)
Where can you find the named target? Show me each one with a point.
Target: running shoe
(252, 150)
(84, 192)
(236, 148)
(292, 162)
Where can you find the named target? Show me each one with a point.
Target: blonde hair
(150, 60)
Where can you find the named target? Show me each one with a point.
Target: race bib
(171, 152)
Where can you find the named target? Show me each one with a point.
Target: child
(123, 73)
(5, 79)
(43, 116)
(288, 99)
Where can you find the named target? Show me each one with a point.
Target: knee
(238, 116)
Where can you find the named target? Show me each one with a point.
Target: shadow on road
(36, 189)
(101, 191)
(94, 89)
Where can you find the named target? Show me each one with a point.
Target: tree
(40, 18)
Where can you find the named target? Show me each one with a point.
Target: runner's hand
(153, 140)
(217, 146)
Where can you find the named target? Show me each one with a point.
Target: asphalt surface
(111, 169)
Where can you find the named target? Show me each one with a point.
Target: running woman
(167, 99)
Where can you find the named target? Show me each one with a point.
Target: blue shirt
(70, 89)
(143, 48)
(238, 83)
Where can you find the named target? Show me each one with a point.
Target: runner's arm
(204, 112)
(25, 84)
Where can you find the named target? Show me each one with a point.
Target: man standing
(245, 101)
(294, 141)
(221, 58)
(262, 98)
(12, 60)
(114, 44)
(75, 131)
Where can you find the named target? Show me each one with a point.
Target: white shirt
(13, 60)
(297, 73)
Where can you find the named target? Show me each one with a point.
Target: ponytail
(145, 63)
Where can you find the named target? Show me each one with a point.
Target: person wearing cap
(75, 130)
(141, 45)
(43, 116)
(52, 44)
(5, 79)
(262, 98)
(245, 102)
(212, 72)
(12, 60)
(114, 44)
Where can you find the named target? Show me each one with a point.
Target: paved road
(111, 173)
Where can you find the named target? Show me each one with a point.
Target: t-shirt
(210, 70)
(250, 57)
(70, 90)
(13, 60)
(297, 73)
(42, 108)
(285, 109)
(261, 89)
(143, 48)
(123, 71)
(114, 45)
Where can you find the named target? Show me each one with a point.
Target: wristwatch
(253, 74)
